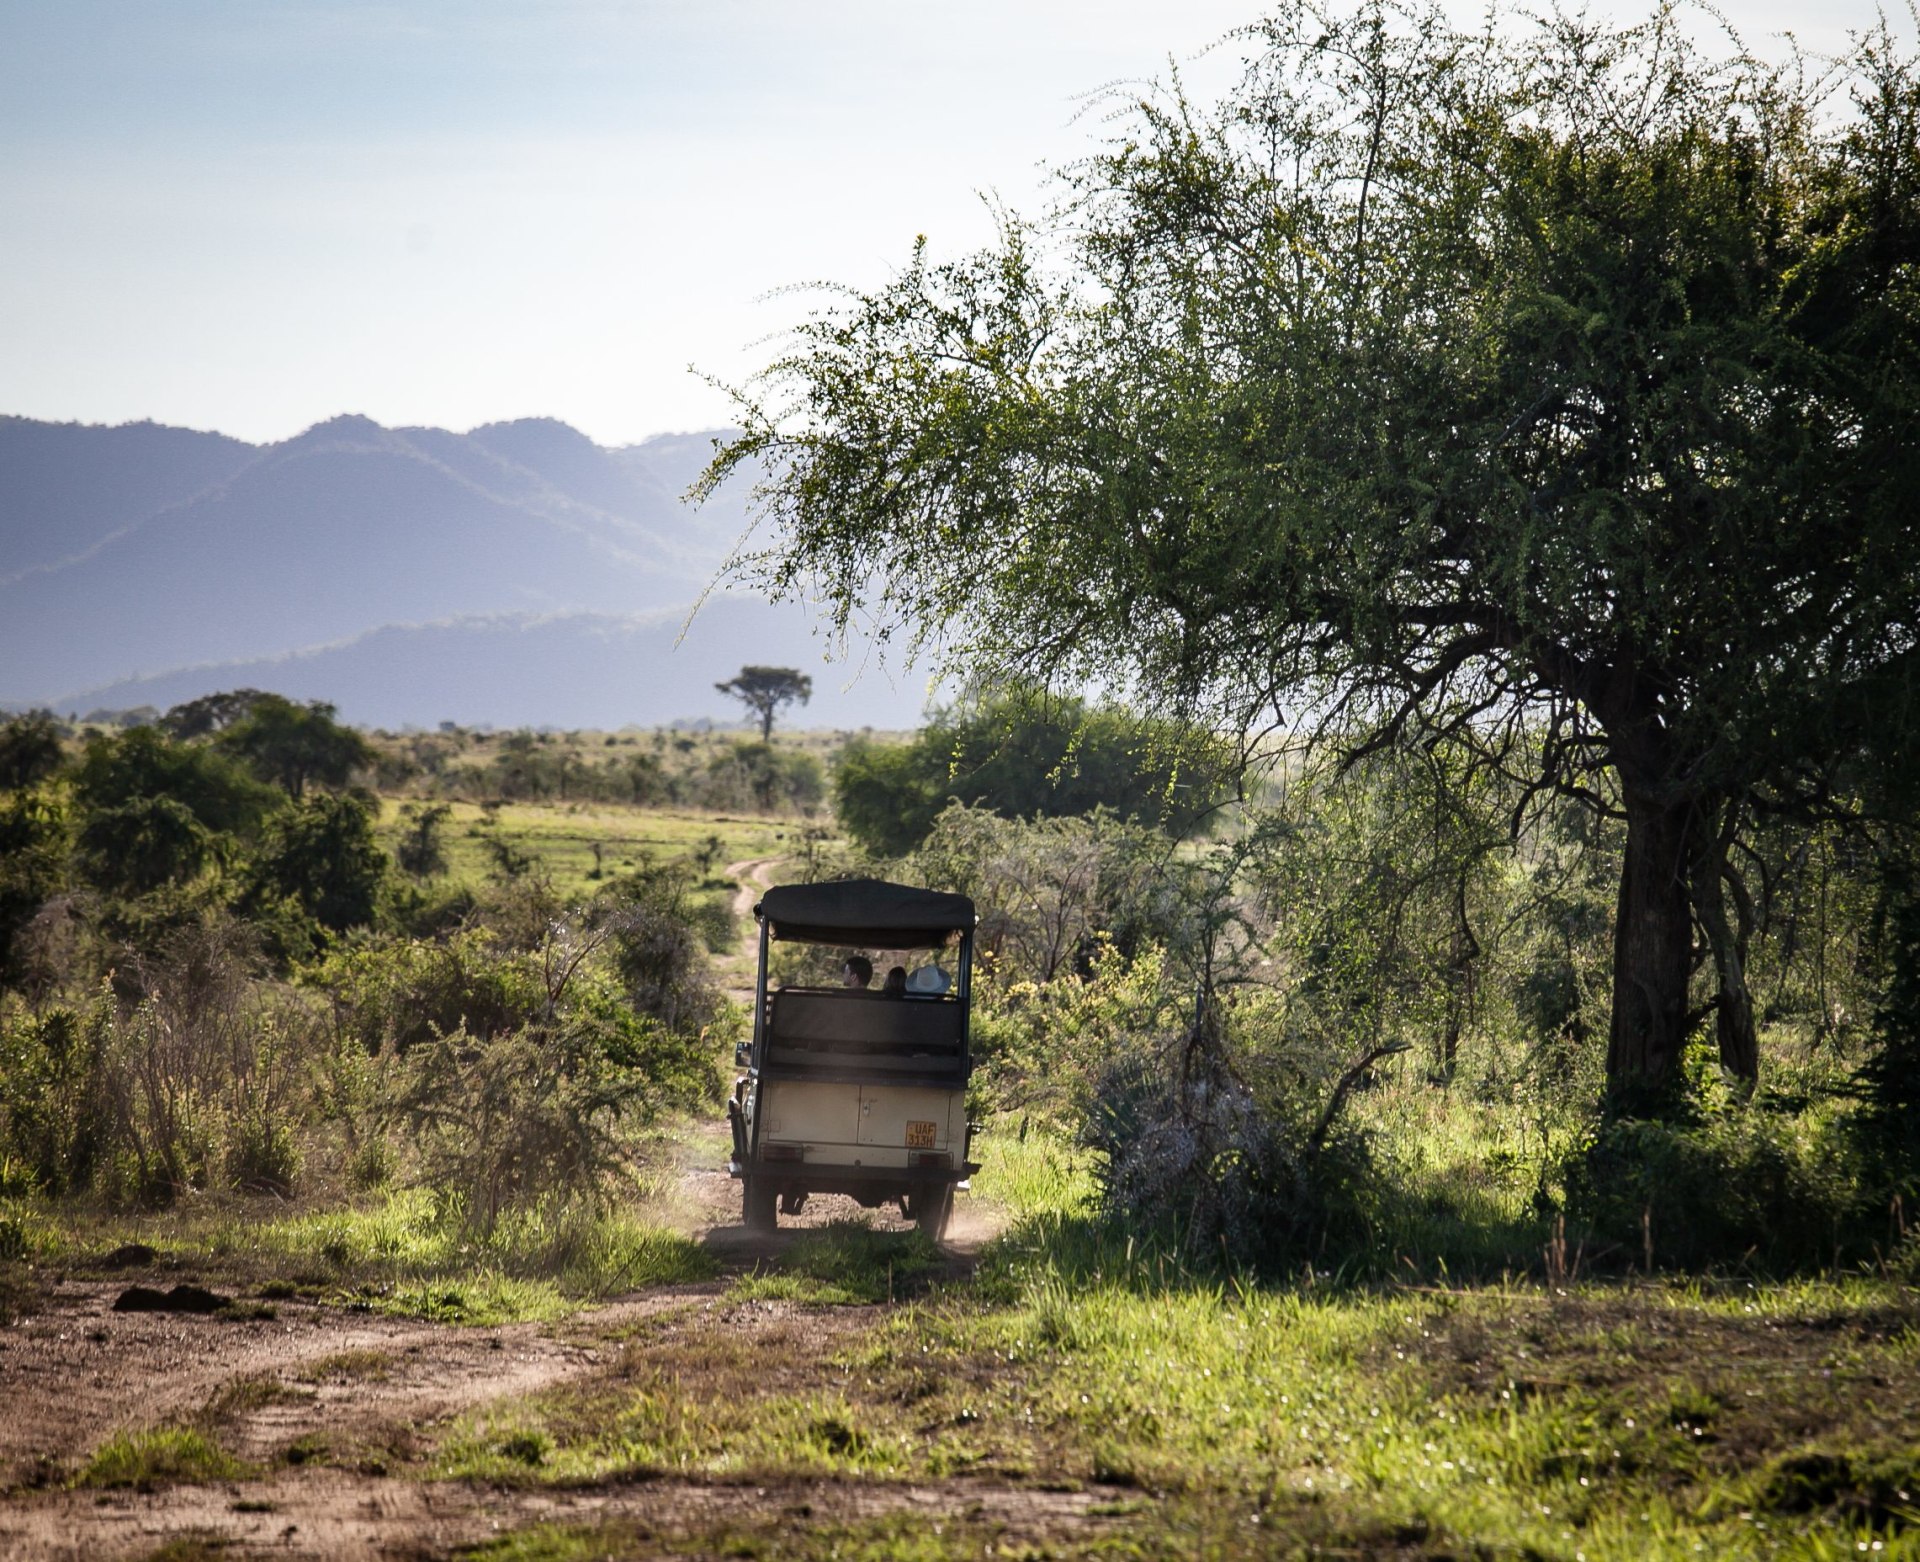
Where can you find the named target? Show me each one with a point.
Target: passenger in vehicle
(929, 981)
(896, 983)
(857, 972)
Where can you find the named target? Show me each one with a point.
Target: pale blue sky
(252, 214)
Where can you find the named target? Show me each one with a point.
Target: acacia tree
(1548, 390)
(764, 690)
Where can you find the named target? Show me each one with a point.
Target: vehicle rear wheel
(932, 1207)
(759, 1203)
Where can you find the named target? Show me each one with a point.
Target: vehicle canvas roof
(865, 911)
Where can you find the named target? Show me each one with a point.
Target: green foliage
(1434, 381)
(1023, 755)
(320, 853)
(141, 845)
(1038, 1046)
(33, 854)
(759, 776)
(191, 1085)
(887, 795)
(534, 1116)
(292, 745)
(1886, 1130)
(210, 713)
(142, 766)
(421, 851)
(1229, 1153)
(1715, 1179)
(1048, 889)
(541, 1105)
(659, 932)
(55, 1111)
(30, 750)
(392, 995)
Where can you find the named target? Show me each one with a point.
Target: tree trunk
(1652, 946)
(1739, 1042)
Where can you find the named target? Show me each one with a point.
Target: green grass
(1614, 1422)
(915, 1537)
(844, 1263)
(1627, 1419)
(1027, 1169)
(156, 1457)
(559, 839)
(612, 1429)
(407, 1253)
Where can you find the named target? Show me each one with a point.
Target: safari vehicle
(858, 1090)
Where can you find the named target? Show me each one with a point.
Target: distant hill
(570, 670)
(409, 575)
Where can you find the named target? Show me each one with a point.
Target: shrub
(291, 744)
(389, 996)
(29, 750)
(1714, 1180)
(421, 851)
(194, 1083)
(537, 1116)
(143, 764)
(1026, 755)
(320, 853)
(1227, 1151)
(762, 777)
(53, 1113)
(659, 934)
(1885, 1132)
(137, 846)
(32, 853)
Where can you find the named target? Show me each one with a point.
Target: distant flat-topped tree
(1547, 389)
(765, 690)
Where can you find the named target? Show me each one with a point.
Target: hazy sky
(252, 214)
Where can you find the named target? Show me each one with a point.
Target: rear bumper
(826, 1177)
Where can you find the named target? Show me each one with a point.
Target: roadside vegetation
(1317, 1226)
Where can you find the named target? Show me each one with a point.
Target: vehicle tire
(759, 1204)
(932, 1207)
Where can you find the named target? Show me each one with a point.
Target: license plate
(919, 1136)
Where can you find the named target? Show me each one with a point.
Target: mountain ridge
(167, 560)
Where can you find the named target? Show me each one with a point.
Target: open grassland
(577, 846)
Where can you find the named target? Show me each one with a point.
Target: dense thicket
(1025, 755)
(1248, 1031)
(212, 976)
